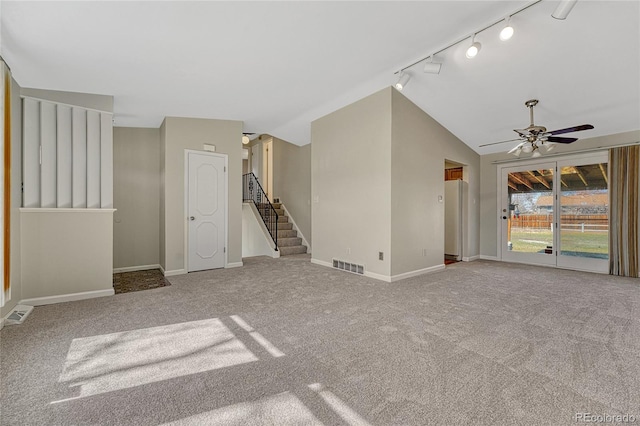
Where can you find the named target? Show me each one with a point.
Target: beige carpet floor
(283, 341)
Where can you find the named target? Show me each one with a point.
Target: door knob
(192, 218)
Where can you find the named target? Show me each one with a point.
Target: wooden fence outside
(542, 221)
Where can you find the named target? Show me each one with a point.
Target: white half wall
(66, 252)
(254, 240)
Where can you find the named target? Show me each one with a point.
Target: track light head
(245, 139)
(507, 31)
(432, 67)
(473, 50)
(402, 81)
(563, 9)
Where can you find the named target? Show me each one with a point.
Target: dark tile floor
(126, 282)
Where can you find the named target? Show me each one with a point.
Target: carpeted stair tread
(283, 219)
(285, 226)
(289, 242)
(285, 251)
(287, 233)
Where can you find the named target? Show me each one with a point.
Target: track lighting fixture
(563, 9)
(432, 67)
(507, 31)
(403, 80)
(245, 139)
(473, 49)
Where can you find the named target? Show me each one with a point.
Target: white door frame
(186, 204)
(557, 159)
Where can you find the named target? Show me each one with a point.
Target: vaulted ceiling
(277, 66)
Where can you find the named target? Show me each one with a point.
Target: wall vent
(349, 267)
(18, 315)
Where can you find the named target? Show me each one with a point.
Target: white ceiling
(279, 65)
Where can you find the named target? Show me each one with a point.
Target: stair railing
(252, 192)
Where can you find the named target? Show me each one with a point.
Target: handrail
(252, 191)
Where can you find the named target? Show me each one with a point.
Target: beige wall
(489, 173)
(136, 194)
(16, 198)
(85, 100)
(419, 148)
(378, 170)
(351, 184)
(176, 135)
(65, 253)
(292, 182)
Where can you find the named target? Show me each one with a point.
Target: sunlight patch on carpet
(283, 409)
(110, 362)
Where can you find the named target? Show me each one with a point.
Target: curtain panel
(624, 163)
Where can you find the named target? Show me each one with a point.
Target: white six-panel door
(206, 211)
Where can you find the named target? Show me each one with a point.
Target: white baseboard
(1, 323)
(136, 268)
(72, 297)
(321, 263)
(415, 273)
(485, 257)
(471, 258)
(234, 265)
(174, 272)
(375, 276)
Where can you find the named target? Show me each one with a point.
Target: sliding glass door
(557, 213)
(583, 206)
(526, 214)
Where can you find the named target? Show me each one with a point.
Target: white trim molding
(234, 265)
(417, 272)
(71, 297)
(471, 258)
(173, 272)
(137, 268)
(485, 257)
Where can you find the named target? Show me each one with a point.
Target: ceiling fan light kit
(534, 136)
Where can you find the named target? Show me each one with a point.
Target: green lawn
(589, 244)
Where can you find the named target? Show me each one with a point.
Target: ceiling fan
(535, 137)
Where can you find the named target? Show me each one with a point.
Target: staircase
(288, 240)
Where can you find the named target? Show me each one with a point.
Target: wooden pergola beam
(581, 177)
(539, 179)
(604, 173)
(521, 179)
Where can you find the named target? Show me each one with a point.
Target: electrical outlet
(380, 255)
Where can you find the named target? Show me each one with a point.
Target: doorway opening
(453, 211)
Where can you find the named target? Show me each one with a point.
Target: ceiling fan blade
(524, 133)
(571, 129)
(496, 143)
(557, 139)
